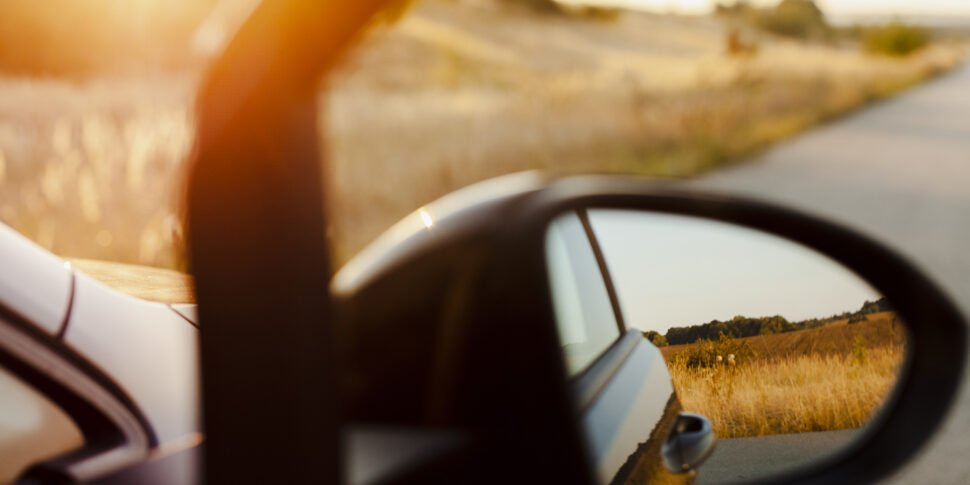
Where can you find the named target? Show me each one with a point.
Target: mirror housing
(689, 443)
(506, 383)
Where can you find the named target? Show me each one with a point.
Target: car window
(32, 428)
(584, 314)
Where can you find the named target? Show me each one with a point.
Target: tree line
(741, 326)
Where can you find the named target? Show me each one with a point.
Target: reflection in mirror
(788, 354)
(586, 321)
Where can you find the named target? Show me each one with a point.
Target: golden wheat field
(449, 94)
(839, 384)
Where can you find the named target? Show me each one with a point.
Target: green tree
(656, 338)
(724, 351)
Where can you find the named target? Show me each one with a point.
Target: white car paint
(34, 283)
(146, 347)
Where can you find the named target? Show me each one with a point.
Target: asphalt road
(898, 171)
(744, 459)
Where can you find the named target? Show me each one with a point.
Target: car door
(620, 383)
(61, 419)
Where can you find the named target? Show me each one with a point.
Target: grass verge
(830, 378)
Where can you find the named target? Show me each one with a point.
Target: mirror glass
(785, 355)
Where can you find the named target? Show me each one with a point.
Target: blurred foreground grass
(448, 95)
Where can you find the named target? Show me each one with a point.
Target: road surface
(898, 171)
(746, 459)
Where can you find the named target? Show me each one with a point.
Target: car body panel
(34, 283)
(147, 348)
(631, 410)
(190, 311)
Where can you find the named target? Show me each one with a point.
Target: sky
(835, 9)
(672, 270)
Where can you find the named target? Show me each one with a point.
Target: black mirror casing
(937, 330)
(506, 392)
(513, 395)
(689, 443)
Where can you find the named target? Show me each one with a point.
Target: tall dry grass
(450, 94)
(795, 394)
(453, 94)
(94, 169)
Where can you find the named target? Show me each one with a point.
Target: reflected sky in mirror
(674, 270)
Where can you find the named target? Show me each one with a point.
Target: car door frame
(115, 432)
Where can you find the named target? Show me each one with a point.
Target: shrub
(858, 317)
(800, 19)
(655, 338)
(895, 39)
(709, 353)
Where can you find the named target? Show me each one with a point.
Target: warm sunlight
(98, 114)
(206, 205)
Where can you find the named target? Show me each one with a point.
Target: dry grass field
(452, 93)
(828, 378)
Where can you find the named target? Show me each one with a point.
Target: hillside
(883, 329)
(741, 326)
(448, 94)
(466, 90)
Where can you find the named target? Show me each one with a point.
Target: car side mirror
(505, 356)
(689, 443)
(797, 341)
